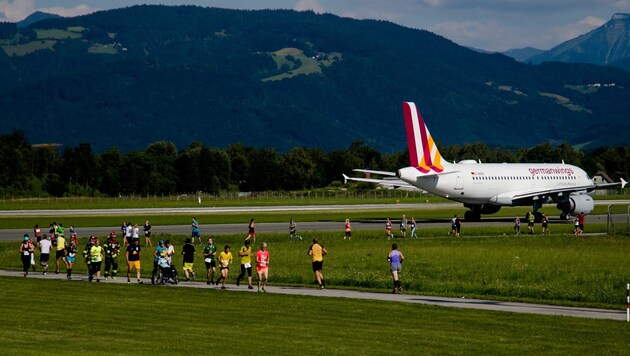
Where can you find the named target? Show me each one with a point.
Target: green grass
(552, 269)
(57, 34)
(26, 48)
(98, 48)
(73, 318)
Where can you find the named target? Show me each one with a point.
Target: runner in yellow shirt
(317, 253)
(225, 260)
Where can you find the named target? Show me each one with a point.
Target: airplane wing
(383, 173)
(508, 197)
(389, 182)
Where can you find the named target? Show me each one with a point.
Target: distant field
(57, 34)
(552, 269)
(98, 48)
(26, 48)
(122, 319)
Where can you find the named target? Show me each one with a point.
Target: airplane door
(459, 182)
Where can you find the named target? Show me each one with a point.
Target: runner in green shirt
(209, 253)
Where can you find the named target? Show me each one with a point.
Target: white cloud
(16, 10)
(486, 35)
(305, 5)
(570, 31)
(78, 10)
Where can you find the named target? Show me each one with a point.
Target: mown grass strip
(72, 318)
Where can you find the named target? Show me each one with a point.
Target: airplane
(485, 187)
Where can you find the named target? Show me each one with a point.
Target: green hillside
(279, 78)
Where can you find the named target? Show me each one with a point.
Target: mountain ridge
(604, 45)
(132, 76)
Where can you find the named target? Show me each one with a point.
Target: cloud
(305, 5)
(78, 10)
(17, 10)
(570, 31)
(488, 35)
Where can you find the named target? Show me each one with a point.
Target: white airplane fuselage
(489, 183)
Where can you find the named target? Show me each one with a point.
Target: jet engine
(576, 204)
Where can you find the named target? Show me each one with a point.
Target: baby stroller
(166, 273)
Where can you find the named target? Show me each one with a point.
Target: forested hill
(280, 78)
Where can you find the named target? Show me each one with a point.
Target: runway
(478, 304)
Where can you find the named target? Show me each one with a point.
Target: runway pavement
(397, 298)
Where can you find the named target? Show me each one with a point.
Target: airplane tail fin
(423, 152)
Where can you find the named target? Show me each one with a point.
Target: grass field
(77, 318)
(552, 269)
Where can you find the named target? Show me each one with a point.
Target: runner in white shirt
(44, 247)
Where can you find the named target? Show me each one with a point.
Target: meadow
(59, 317)
(488, 263)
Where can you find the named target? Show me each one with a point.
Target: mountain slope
(36, 17)
(603, 45)
(281, 79)
(522, 54)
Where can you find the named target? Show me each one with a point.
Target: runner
(44, 248)
(293, 231)
(209, 253)
(147, 233)
(403, 227)
(133, 260)
(112, 250)
(225, 260)
(38, 233)
(517, 225)
(531, 218)
(251, 230)
(128, 240)
(71, 258)
(317, 253)
(388, 228)
(195, 230)
(170, 251)
(73, 235)
(60, 250)
(96, 258)
(395, 259)
(26, 249)
(135, 232)
(189, 258)
(262, 266)
(30, 240)
(246, 264)
(453, 226)
(545, 224)
(348, 230)
(414, 226)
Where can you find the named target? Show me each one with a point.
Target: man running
(246, 264)
(195, 230)
(209, 253)
(112, 250)
(262, 266)
(61, 250)
(44, 248)
(293, 231)
(317, 253)
(133, 260)
(189, 258)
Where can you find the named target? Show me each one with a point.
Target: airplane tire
(472, 216)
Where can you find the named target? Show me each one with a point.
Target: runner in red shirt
(262, 265)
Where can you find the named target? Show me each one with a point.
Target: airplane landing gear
(472, 216)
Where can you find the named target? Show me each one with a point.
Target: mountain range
(281, 78)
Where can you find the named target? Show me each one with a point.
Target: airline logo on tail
(423, 153)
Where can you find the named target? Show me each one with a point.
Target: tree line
(163, 169)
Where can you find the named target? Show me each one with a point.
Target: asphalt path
(478, 304)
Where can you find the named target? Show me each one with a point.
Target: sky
(494, 25)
